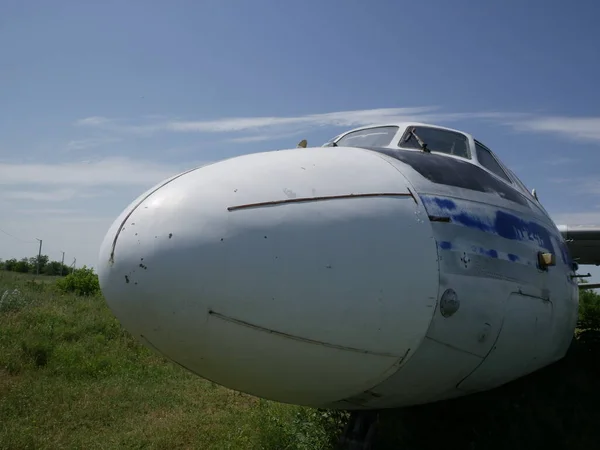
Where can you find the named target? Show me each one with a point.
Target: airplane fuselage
(352, 277)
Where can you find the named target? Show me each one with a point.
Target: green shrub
(81, 282)
(589, 310)
(11, 299)
(280, 426)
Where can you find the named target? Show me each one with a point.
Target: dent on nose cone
(248, 273)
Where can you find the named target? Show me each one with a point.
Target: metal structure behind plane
(398, 264)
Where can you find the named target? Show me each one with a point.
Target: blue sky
(101, 101)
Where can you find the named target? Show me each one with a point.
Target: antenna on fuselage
(302, 144)
(534, 193)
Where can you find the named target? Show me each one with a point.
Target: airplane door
(521, 347)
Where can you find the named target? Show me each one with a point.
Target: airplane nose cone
(303, 276)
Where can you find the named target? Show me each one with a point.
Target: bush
(81, 282)
(11, 300)
(589, 310)
(280, 426)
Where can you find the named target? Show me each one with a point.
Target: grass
(71, 377)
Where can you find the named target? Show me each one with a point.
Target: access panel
(522, 346)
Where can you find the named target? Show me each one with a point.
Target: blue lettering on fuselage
(493, 220)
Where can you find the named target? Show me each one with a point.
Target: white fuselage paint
(326, 300)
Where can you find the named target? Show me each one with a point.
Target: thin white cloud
(119, 126)
(49, 211)
(82, 144)
(560, 161)
(56, 195)
(94, 120)
(52, 195)
(500, 117)
(342, 118)
(267, 137)
(348, 119)
(580, 128)
(108, 172)
(258, 138)
(273, 127)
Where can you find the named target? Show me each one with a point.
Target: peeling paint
(491, 252)
(445, 203)
(490, 219)
(478, 250)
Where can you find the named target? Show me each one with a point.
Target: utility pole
(62, 263)
(39, 256)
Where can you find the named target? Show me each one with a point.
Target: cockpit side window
(436, 140)
(520, 184)
(369, 137)
(487, 160)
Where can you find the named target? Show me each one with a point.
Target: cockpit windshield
(418, 137)
(436, 140)
(369, 137)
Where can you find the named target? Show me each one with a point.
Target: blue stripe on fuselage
(490, 219)
(489, 252)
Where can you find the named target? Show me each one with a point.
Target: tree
(589, 310)
(33, 263)
(10, 264)
(53, 268)
(30, 265)
(22, 266)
